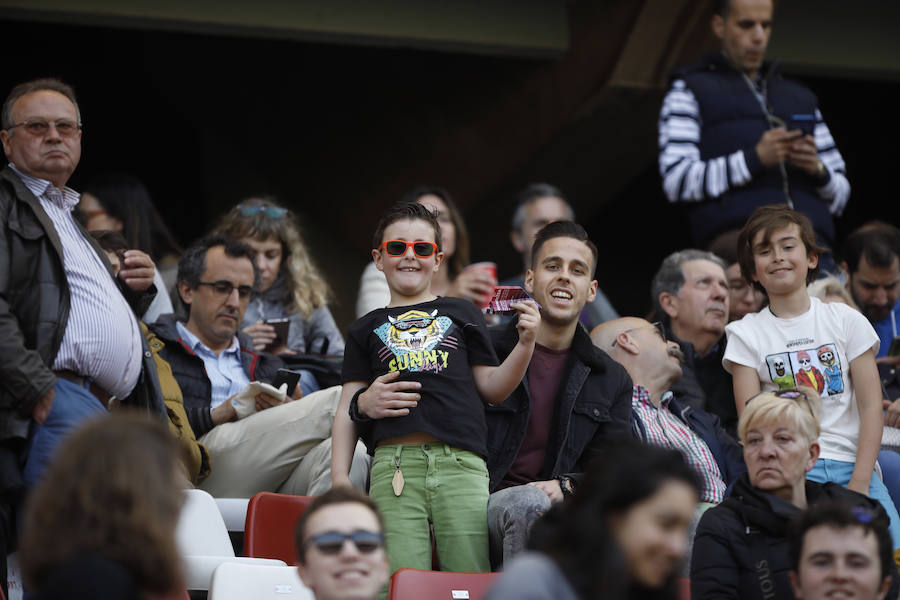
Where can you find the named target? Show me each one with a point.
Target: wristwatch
(567, 485)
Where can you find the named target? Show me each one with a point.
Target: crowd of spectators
(583, 452)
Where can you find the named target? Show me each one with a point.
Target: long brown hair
(111, 491)
(306, 288)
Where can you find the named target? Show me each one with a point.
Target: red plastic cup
(491, 267)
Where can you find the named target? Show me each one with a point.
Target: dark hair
(460, 258)
(192, 263)
(403, 211)
(532, 192)
(670, 277)
(339, 495)
(37, 85)
(306, 288)
(559, 229)
(768, 219)
(111, 490)
(127, 199)
(725, 246)
(723, 7)
(877, 241)
(110, 241)
(841, 514)
(576, 534)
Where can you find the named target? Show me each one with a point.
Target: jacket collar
(718, 60)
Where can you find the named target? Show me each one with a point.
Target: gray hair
(36, 85)
(670, 276)
(531, 193)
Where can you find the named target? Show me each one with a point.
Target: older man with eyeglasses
(658, 418)
(70, 344)
(257, 440)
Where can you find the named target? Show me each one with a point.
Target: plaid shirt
(665, 429)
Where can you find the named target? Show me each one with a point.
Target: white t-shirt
(813, 349)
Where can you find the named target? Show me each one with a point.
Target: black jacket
(723, 564)
(593, 405)
(705, 383)
(34, 310)
(190, 373)
(728, 453)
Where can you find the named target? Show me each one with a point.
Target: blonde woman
(741, 546)
(290, 285)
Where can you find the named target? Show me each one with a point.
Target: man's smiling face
(562, 279)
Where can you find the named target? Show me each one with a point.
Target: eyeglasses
(224, 288)
(331, 542)
(39, 127)
(399, 248)
(660, 329)
(273, 212)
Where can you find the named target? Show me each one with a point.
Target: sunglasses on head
(331, 542)
(794, 394)
(399, 248)
(273, 212)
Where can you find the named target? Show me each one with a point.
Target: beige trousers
(284, 449)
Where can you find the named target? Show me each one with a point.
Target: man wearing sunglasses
(340, 547)
(70, 345)
(658, 418)
(279, 446)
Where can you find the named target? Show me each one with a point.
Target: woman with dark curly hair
(290, 285)
(102, 522)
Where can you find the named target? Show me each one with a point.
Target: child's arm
(745, 381)
(864, 375)
(344, 436)
(494, 384)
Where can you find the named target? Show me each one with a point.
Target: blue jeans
(308, 383)
(72, 406)
(840, 472)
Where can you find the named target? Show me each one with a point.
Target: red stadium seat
(269, 530)
(414, 584)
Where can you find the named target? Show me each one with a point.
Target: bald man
(654, 364)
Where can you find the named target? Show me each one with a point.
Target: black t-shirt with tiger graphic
(435, 343)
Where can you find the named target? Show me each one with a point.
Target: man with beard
(658, 418)
(690, 293)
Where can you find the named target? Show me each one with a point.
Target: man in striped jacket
(734, 135)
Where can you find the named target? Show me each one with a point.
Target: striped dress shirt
(225, 371)
(665, 429)
(102, 340)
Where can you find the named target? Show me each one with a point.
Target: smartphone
(291, 378)
(282, 328)
(895, 347)
(804, 122)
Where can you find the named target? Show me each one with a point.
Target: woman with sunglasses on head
(453, 278)
(622, 536)
(741, 546)
(290, 285)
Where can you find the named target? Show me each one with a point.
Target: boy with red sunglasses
(434, 359)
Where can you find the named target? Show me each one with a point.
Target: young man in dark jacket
(573, 398)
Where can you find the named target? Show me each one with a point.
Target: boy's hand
(892, 412)
(529, 320)
(388, 398)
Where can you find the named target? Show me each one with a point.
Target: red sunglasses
(400, 247)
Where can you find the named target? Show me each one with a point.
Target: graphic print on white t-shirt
(818, 368)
